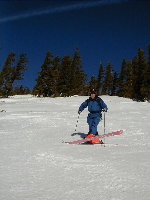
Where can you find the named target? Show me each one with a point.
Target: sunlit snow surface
(36, 165)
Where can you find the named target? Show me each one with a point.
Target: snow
(36, 165)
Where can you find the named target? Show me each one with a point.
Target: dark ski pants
(93, 123)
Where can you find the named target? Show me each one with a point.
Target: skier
(95, 106)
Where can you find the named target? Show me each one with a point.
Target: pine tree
(12, 72)
(108, 80)
(122, 78)
(139, 65)
(100, 78)
(115, 84)
(21, 90)
(92, 83)
(78, 75)
(134, 78)
(1, 84)
(20, 67)
(54, 74)
(7, 74)
(128, 84)
(43, 86)
(65, 76)
(145, 88)
(71, 75)
(148, 54)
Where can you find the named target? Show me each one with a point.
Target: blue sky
(103, 30)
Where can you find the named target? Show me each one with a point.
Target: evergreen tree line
(12, 71)
(65, 77)
(132, 82)
(60, 76)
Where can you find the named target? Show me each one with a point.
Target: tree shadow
(82, 135)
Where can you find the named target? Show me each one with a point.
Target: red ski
(99, 136)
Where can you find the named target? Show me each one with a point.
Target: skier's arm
(82, 106)
(103, 106)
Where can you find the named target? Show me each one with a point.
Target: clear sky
(103, 30)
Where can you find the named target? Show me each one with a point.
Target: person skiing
(95, 106)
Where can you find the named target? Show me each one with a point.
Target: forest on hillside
(65, 77)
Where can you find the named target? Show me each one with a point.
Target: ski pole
(104, 128)
(77, 123)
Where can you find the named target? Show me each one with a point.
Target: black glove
(104, 110)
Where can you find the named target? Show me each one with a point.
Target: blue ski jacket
(95, 106)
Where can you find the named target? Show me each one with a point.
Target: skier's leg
(89, 121)
(94, 125)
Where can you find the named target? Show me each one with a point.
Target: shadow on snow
(82, 135)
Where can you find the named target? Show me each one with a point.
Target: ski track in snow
(36, 165)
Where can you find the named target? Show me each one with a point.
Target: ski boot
(96, 140)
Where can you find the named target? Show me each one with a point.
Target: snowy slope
(36, 165)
